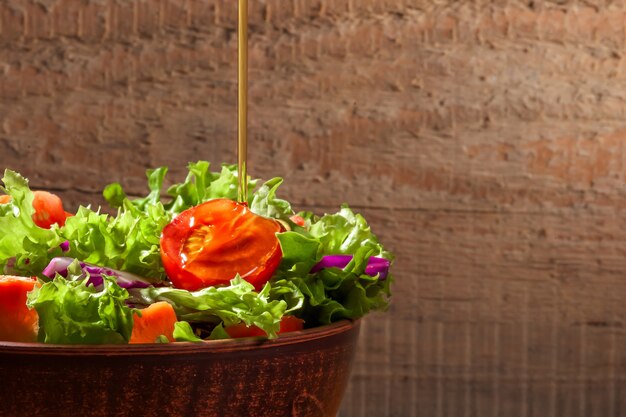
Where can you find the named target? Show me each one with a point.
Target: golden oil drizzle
(242, 105)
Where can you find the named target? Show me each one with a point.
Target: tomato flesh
(48, 209)
(210, 244)
(17, 322)
(157, 319)
(299, 220)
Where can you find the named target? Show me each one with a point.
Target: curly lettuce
(129, 241)
(238, 302)
(332, 294)
(200, 185)
(24, 246)
(72, 312)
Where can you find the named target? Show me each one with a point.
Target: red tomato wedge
(157, 319)
(299, 220)
(48, 209)
(17, 322)
(210, 244)
(287, 324)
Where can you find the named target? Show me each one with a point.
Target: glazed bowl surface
(301, 374)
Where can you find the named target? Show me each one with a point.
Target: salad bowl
(186, 304)
(300, 374)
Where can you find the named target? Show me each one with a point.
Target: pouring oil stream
(242, 115)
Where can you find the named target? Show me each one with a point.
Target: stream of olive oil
(242, 104)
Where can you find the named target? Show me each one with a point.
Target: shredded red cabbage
(95, 272)
(65, 246)
(375, 265)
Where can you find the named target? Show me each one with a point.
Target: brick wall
(484, 141)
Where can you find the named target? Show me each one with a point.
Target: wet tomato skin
(18, 323)
(210, 244)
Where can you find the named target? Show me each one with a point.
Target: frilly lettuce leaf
(265, 203)
(70, 312)
(299, 248)
(331, 294)
(24, 246)
(128, 242)
(201, 185)
(344, 233)
(184, 333)
(232, 304)
(219, 333)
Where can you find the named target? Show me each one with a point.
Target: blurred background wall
(485, 141)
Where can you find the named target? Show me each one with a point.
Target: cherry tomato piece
(157, 319)
(299, 220)
(17, 322)
(48, 209)
(210, 244)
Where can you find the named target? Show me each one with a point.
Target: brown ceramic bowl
(301, 374)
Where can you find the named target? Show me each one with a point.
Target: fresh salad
(188, 265)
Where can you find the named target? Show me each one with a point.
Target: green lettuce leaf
(346, 232)
(184, 333)
(333, 294)
(116, 197)
(299, 248)
(128, 242)
(219, 333)
(265, 203)
(232, 304)
(201, 185)
(70, 312)
(25, 248)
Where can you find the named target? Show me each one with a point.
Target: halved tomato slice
(211, 243)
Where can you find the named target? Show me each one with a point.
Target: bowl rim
(177, 348)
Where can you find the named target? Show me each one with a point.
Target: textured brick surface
(484, 139)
